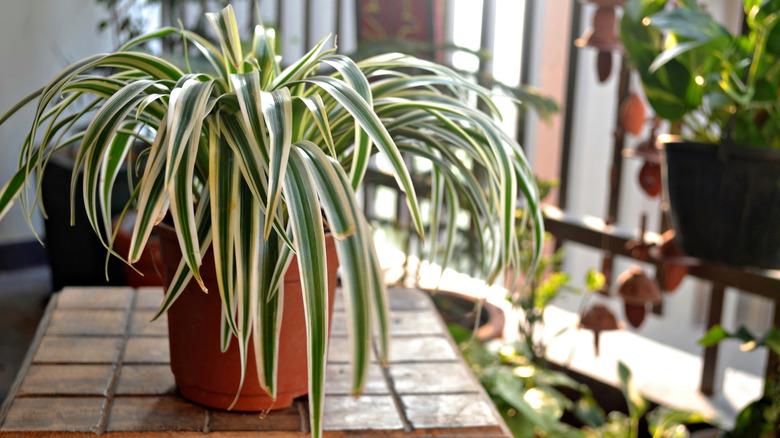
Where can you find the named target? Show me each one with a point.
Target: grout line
(102, 425)
(393, 394)
(28, 358)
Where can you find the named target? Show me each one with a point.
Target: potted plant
(720, 92)
(245, 158)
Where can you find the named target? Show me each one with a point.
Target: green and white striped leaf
(277, 109)
(268, 302)
(343, 214)
(247, 244)
(309, 239)
(183, 274)
(151, 199)
(224, 24)
(319, 113)
(223, 186)
(373, 126)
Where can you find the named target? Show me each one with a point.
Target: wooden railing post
(709, 368)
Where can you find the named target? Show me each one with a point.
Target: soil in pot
(209, 377)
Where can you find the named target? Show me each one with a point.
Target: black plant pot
(724, 202)
(76, 255)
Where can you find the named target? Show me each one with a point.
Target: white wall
(38, 38)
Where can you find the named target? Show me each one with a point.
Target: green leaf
(713, 336)
(269, 300)
(637, 405)
(247, 244)
(373, 126)
(151, 199)
(223, 186)
(224, 24)
(342, 211)
(309, 240)
(277, 109)
(594, 280)
(183, 274)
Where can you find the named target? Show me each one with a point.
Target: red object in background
(149, 268)
(673, 274)
(209, 377)
(633, 114)
(650, 178)
(413, 20)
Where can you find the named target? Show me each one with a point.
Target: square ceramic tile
(413, 323)
(147, 350)
(87, 322)
(148, 298)
(366, 412)
(73, 349)
(146, 380)
(53, 414)
(447, 411)
(94, 298)
(428, 378)
(409, 299)
(421, 349)
(289, 419)
(339, 350)
(66, 380)
(338, 380)
(142, 324)
(143, 414)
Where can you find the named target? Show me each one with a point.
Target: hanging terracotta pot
(632, 114)
(635, 313)
(610, 3)
(211, 378)
(604, 65)
(637, 291)
(636, 287)
(672, 274)
(598, 318)
(603, 34)
(650, 178)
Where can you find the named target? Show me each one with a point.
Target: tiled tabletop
(97, 366)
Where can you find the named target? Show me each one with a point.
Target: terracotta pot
(149, 268)
(458, 308)
(209, 377)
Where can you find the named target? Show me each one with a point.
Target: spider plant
(246, 158)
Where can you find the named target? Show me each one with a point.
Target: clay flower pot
(598, 318)
(149, 269)
(209, 377)
(637, 291)
(672, 273)
(650, 179)
(632, 114)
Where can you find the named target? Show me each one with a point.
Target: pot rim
(666, 142)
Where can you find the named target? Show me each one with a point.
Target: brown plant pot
(149, 268)
(209, 377)
(458, 308)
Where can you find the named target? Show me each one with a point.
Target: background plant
(698, 75)
(761, 417)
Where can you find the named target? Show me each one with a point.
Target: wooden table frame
(98, 367)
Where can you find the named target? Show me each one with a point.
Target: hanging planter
(724, 201)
